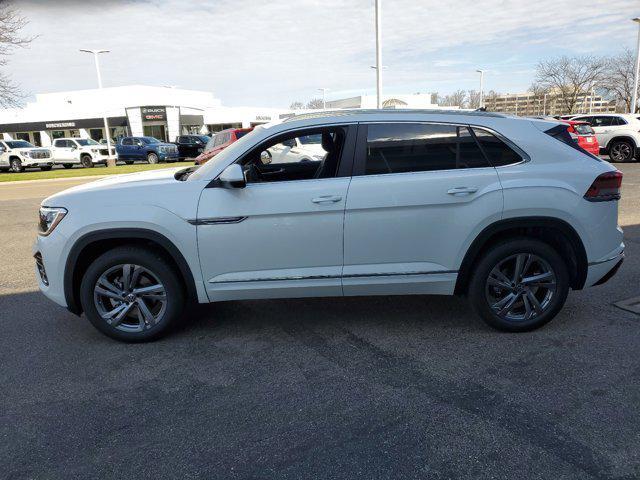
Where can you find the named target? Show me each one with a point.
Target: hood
(142, 180)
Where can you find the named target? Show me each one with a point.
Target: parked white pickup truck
(84, 151)
(16, 155)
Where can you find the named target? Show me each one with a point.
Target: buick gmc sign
(151, 114)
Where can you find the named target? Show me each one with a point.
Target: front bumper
(168, 156)
(48, 258)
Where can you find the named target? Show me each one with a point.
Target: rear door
(62, 151)
(419, 193)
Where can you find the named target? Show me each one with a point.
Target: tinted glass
(127, 141)
(601, 121)
(86, 141)
(618, 121)
(149, 140)
(240, 134)
(60, 143)
(412, 147)
(499, 153)
(19, 144)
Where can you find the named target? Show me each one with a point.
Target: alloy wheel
(621, 152)
(520, 287)
(16, 166)
(130, 298)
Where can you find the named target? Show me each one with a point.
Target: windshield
(149, 140)
(232, 151)
(86, 141)
(203, 138)
(19, 144)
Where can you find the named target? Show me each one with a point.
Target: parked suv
(83, 151)
(507, 211)
(219, 141)
(190, 146)
(16, 155)
(618, 134)
(149, 149)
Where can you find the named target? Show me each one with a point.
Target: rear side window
(618, 121)
(561, 133)
(416, 147)
(127, 141)
(498, 152)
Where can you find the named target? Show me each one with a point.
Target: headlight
(162, 149)
(94, 150)
(26, 154)
(50, 217)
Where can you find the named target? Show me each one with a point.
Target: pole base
(111, 162)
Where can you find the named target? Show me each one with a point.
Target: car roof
(388, 113)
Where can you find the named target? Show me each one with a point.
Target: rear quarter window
(498, 152)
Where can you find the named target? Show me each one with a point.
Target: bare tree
(315, 103)
(11, 23)
(455, 99)
(569, 77)
(490, 99)
(617, 81)
(297, 105)
(474, 99)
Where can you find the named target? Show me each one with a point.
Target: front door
(419, 193)
(281, 235)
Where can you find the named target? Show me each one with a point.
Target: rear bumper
(601, 271)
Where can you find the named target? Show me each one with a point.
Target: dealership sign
(60, 125)
(153, 113)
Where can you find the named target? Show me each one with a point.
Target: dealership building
(137, 110)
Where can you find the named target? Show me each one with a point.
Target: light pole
(634, 97)
(324, 92)
(104, 117)
(378, 55)
(481, 72)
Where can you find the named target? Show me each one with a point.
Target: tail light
(605, 187)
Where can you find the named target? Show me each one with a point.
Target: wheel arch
(91, 245)
(627, 138)
(554, 231)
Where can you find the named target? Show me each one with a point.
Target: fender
(73, 303)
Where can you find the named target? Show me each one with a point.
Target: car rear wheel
(86, 161)
(152, 158)
(621, 151)
(519, 285)
(16, 166)
(132, 294)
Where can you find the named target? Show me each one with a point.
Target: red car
(584, 136)
(219, 142)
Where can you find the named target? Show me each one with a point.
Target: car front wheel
(132, 294)
(16, 166)
(86, 161)
(519, 285)
(152, 158)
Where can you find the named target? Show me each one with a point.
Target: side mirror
(233, 177)
(74, 147)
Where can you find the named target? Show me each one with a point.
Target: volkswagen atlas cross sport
(510, 212)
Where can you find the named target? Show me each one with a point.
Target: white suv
(84, 151)
(16, 155)
(617, 134)
(509, 211)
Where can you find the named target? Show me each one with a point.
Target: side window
(415, 147)
(499, 153)
(218, 139)
(273, 161)
(617, 121)
(127, 141)
(601, 121)
(60, 143)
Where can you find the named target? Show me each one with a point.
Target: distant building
(161, 112)
(530, 104)
(416, 100)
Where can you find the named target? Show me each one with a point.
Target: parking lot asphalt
(385, 387)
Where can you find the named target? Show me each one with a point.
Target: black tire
(16, 165)
(154, 262)
(152, 158)
(129, 162)
(46, 169)
(86, 161)
(621, 151)
(503, 252)
(68, 165)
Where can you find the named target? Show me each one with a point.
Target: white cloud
(269, 53)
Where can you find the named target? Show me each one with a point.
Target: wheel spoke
(528, 311)
(120, 316)
(518, 270)
(534, 301)
(144, 310)
(542, 279)
(134, 277)
(504, 305)
(143, 291)
(499, 279)
(109, 293)
(126, 276)
(102, 281)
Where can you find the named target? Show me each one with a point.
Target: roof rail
(391, 111)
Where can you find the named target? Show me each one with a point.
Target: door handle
(462, 190)
(327, 199)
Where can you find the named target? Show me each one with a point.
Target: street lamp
(324, 92)
(481, 72)
(634, 97)
(378, 66)
(106, 123)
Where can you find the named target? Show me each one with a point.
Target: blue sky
(269, 53)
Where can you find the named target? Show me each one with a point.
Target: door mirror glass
(265, 157)
(233, 177)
